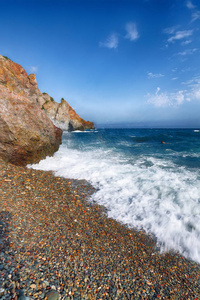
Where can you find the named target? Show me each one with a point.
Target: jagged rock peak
(16, 80)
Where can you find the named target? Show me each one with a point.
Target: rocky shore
(55, 245)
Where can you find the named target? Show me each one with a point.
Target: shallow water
(140, 180)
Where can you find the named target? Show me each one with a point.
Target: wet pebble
(52, 295)
(23, 298)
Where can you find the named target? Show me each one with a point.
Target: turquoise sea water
(143, 182)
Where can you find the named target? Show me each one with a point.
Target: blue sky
(127, 62)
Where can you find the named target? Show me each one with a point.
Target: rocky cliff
(25, 138)
(26, 132)
(16, 80)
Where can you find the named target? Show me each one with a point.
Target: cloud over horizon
(194, 88)
(174, 99)
(164, 99)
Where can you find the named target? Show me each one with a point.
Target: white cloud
(179, 35)
(164, 99)
(196, 93)
(188, 52)
(170, 30)
(190, 5)
(33, 69)
(111, 42)
(132, 32)
(158, 99)
(186, 42)
(178, 98)
(194, 88)
(167, 99)
(151, 75)
(196, 15)
(174, 70)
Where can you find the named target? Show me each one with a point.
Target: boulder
(26, 134)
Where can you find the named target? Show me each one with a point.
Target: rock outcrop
(16, 80)
(64, 116)
(26, 133)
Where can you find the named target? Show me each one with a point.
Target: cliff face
(64, 116)
(16, 80)
(26, 133)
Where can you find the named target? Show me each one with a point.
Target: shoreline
(53, 239)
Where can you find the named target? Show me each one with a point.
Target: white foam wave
(81, 131)
(149, 193)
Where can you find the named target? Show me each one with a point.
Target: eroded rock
(26, 133)
(16, 80)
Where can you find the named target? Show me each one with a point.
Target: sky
(125, 63)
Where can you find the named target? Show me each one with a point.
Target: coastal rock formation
(64, 116)
(16, 80)
(26, 133)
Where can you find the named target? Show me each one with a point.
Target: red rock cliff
(16, 80)
(26, 133)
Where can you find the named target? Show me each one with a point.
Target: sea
(148, 179)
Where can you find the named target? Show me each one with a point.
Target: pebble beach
(55, 244)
